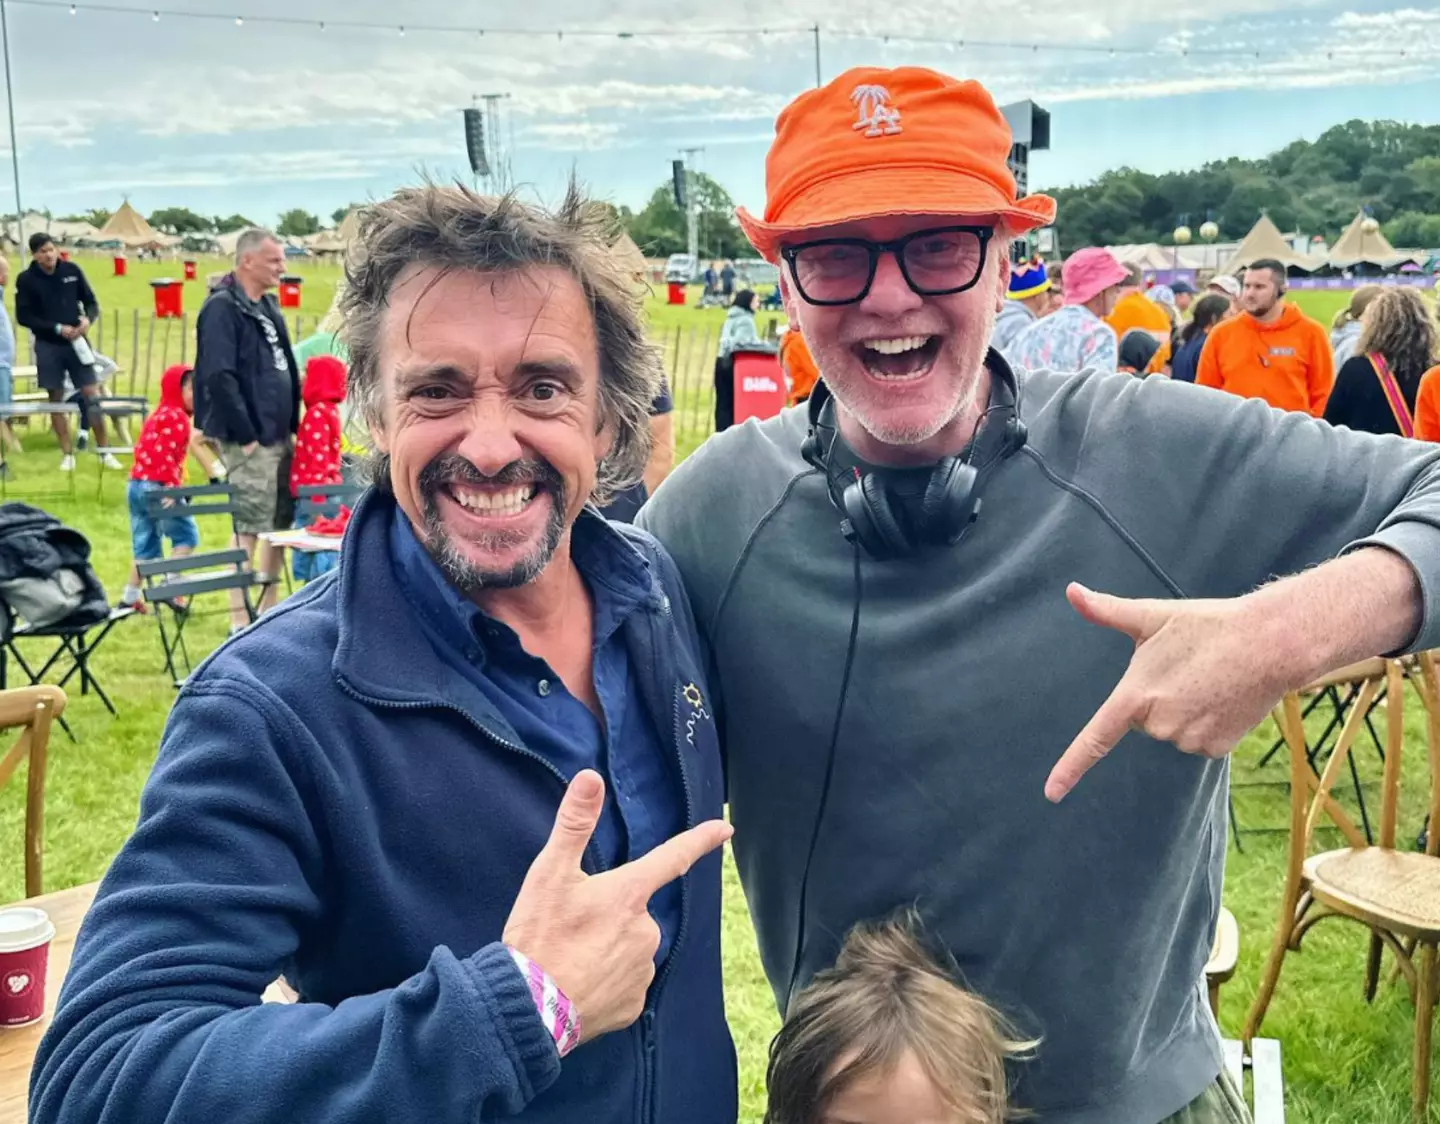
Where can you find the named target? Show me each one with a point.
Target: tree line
(1393, 169)
(295, 223)
(1317, 188)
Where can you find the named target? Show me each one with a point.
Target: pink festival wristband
(559, 1015)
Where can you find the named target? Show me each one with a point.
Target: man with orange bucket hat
(911, 711)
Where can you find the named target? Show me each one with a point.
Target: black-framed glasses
(935, 263)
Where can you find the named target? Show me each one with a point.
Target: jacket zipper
(648, 1018)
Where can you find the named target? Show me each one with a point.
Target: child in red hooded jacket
(165, 440)
(317, 448)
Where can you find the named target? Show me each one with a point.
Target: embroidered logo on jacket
(697, 714)
(877, 116)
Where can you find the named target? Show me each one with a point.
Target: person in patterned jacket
(317, 448)
(165, 440)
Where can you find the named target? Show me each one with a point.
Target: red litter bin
(677, 292)
(169, 298)
(290, 291)
(759, 385)
(189, 271)
(121, 265)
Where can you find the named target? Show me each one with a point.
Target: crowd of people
(467, 795)
(1370, 372)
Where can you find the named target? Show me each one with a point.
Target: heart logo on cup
(18, 983)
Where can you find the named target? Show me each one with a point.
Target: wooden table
(300, 538)
(67, 909)
(18, 1045)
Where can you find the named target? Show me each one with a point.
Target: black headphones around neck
(951, 501)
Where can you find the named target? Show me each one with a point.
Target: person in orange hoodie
(1273, 351)
(317, 448)
(798, 364)
(1427, 406)
(1134, 310)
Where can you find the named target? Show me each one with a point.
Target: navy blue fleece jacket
(334, 804)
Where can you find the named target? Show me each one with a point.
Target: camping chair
(1328, 689)
(78, 643)
(172, 580)
(1394, 893)
(31, 709)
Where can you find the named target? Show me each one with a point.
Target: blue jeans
(146, 531)
(308, 565)
(7, 386)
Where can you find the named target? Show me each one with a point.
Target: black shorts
(55, 359)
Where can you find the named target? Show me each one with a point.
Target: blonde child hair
(891, 992)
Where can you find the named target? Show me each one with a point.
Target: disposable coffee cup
(25, 935)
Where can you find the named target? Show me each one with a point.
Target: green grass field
(1345, 1062)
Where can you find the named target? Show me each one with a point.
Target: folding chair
(77, 644)
(31, 709)
(173, 578)
(315, 501)
(1328, 689)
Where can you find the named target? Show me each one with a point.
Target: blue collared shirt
(644, 804)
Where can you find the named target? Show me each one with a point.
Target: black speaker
(677, 173)
(475, 142)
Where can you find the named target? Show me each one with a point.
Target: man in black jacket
(54, 301)
(247, 398)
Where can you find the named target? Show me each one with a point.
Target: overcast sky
(258, 118)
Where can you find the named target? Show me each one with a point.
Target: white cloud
(256, 90)
(1400, 19)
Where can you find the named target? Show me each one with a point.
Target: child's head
(888, 1036)
(177, 387)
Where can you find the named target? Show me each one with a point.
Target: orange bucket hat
(908, 141)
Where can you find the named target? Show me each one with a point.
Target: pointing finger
(1100, 735)
(674, 858)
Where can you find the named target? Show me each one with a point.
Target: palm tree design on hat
(877, 116)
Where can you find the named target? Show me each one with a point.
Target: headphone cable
(829, 776)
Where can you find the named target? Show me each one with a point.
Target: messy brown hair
(1398, 324)
(892, 991)
(451, 228)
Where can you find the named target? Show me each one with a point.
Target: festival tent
(1266, 241)
(1357, 246)
(337, 241)
(128, 227)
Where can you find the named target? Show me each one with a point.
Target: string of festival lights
(1168, 49)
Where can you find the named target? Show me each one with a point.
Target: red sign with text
(759, 385)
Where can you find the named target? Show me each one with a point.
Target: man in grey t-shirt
(912, 713)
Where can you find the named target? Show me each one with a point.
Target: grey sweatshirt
(1088, 922)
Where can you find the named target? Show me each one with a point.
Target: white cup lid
(23, 927)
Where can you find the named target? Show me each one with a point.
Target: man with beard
(452, 791)
(1273, 352)
(909, 701)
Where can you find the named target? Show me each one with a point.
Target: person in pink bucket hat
(919, 703)
(1076, 337)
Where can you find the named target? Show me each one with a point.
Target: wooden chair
(1267, 1081)
(32, 709)
(1224, 954)
(1394, 893)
